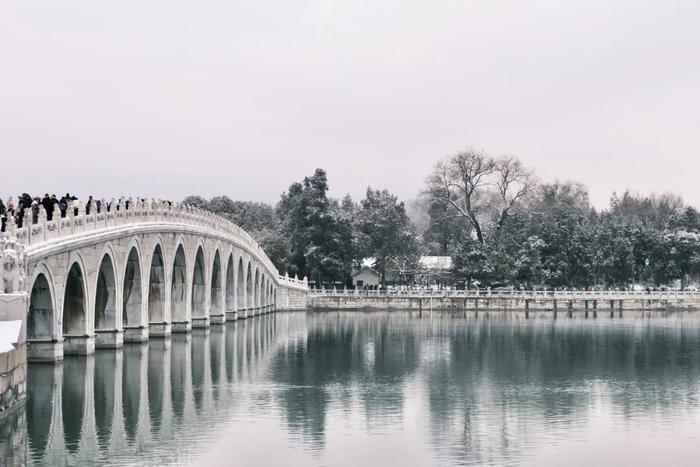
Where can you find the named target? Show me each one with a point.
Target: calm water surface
(349, 389)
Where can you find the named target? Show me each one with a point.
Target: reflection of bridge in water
(143, 399)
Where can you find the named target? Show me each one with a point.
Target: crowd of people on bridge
(53, 205)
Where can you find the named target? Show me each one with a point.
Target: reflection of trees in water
(342, 356)
(520, 379)
(488, 383)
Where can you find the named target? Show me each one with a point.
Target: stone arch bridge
(142, 270)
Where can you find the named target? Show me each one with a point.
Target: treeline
(312, 235)
(497, 221)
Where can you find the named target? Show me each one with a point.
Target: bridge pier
(231, 315)
(200, 322)
(48, 351)
(137, 334)
(218, 319)
(159, 329)
(109, 339)
(78, 345)
(181, 326)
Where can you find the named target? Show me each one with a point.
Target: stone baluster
(24, 234)
(54, 226)
(80, 219)
(10, 226)
(41, 220)
(70, 215)
(101, 217)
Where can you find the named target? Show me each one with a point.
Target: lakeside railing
(514, 294)
(294, 282)
(36, 229)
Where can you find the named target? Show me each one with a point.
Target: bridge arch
(249, 289)
(269, 294)
(230, 288)
(199, 297)
(40, 318)
(132, 294)
(156, 287)
(75, 302)
(105, 311)
(216, 290)
(240, 288)
(178, 289)
(256, 290)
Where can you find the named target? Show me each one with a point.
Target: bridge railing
(514, 294)
(294, 282)
(36, 229)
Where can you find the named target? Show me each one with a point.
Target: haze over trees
(500, 224)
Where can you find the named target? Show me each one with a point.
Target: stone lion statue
(12, 273)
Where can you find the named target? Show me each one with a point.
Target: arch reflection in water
(43, 399)
(105, 388)
(472, 391)
(158, 364)
(73, 403)
(132, 378)
(118, 404)
(179, 369)
(216, 360)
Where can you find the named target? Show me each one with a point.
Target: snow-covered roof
(427, 262)
(363, 269)
(436, 262)
(368, 262)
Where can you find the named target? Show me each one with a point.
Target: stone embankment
(555, 302)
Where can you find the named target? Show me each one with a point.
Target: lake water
(379, 388)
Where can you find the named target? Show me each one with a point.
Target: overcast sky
(168, 98)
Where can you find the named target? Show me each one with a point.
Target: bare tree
(513, 183)
(459, 182)
(478, 188)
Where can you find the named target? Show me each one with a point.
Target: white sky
(169, 98)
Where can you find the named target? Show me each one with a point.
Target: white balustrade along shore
(42, 230)
(294, 283)
(514, 293)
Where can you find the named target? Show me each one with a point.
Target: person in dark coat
(63, 206)
(2, 216)
(48, 206)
